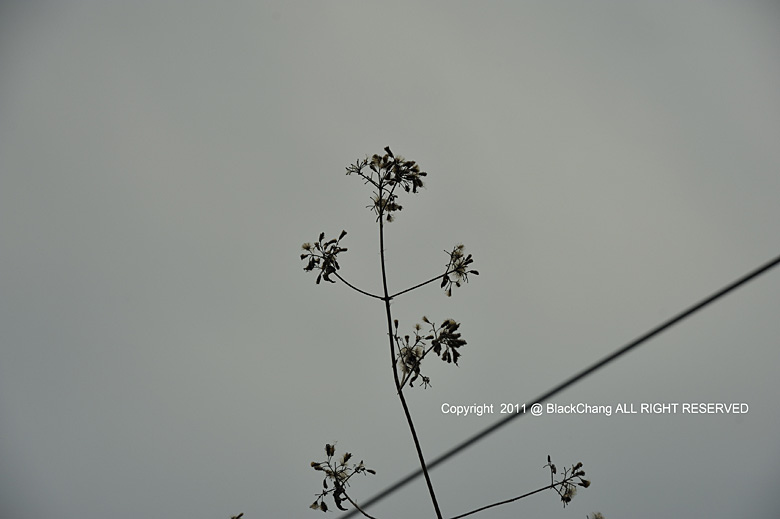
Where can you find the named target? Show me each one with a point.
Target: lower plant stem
(398, 387)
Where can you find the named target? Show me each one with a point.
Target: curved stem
(395, 368)
(353, 287)
(357, 507)
(502, 502)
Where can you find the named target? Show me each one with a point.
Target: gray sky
(163, 354)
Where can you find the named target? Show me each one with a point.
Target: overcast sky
(162, 353)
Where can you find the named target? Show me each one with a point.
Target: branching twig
(358, 507)
(353, 287)
(501, 502)
(566, 484)
(437, 278)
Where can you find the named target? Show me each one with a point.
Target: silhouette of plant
(385, 174)
(338, 474)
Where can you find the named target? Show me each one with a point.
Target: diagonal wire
(563, 385)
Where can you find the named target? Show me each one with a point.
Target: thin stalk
(437, 278)
(505, 502)
(395, 367)
(353, 287)
(358, 507)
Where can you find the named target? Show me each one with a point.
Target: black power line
(563, 385)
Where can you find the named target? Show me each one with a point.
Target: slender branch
(422, 284)
(395, 367)
(368, 179)
(508, 500)
(357, 507)
(353, 287)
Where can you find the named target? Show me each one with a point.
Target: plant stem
(436, 278)
(353, 287)
(395, 367)
(503, 502)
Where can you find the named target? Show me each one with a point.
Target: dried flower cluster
(567, 487)
(444, 341)
(322, 256)
(338, 474)
(456, 271)
(386, 173)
